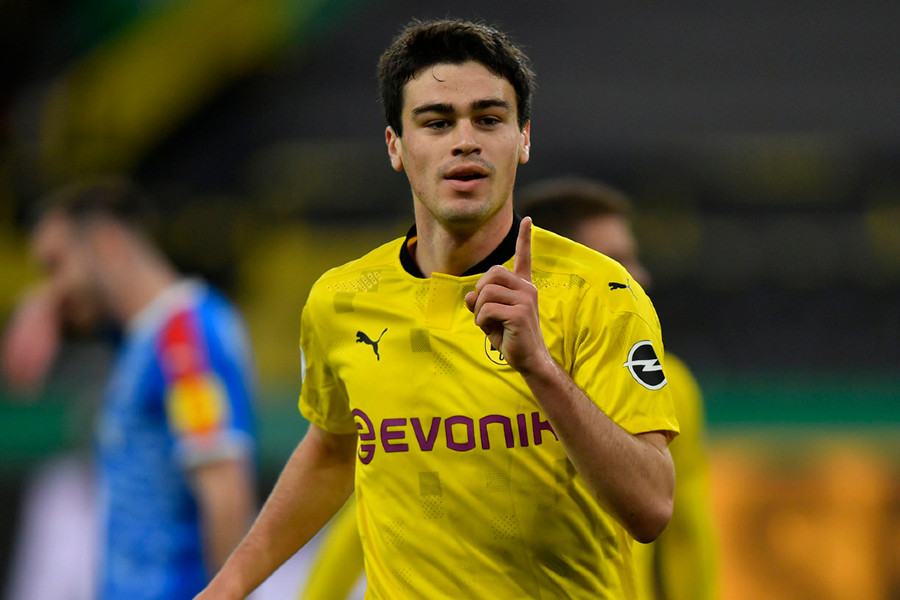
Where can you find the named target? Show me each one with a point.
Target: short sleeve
(205, 397)
(323, 399)
(619, 361)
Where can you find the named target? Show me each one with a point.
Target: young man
(502, 412)
(175, 443)
(681, 563)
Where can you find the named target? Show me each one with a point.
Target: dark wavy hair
(423, 44)
(103, 197)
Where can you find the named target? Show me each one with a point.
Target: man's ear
(395, 148)
(525, 144)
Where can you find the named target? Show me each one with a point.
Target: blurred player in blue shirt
(175, 445)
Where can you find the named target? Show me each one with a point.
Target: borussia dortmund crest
(493, 354)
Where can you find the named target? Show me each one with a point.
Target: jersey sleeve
(206, 392)
(619, 361)
(323, 399)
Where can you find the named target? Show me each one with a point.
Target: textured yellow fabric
(462, 488)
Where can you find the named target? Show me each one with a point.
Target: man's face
(611, 235)
(69, 262)
(461, 143)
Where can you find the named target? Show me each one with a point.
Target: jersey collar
(174, 297)
(502, 253)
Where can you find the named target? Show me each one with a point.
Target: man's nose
(466, 139)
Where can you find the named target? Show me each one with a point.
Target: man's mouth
(467, 173)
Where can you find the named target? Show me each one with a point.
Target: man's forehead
(471, 80)
(53, 230)
(470, 65)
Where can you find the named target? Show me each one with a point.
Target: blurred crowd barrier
(808, 515)
(805, 473)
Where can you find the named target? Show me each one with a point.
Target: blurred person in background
(681, 563)
(462, 378)
(175, 464)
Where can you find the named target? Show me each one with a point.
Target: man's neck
(141, 285)
(439, 249)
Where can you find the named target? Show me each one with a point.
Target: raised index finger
(522, 259)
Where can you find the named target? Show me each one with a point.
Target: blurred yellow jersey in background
(681, 563)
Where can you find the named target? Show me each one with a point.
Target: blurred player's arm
(226, 500)
(314, 484)
(31, 339)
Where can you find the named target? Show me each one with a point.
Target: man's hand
(505, 305)
(31, 340)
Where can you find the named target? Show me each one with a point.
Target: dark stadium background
(760, 142)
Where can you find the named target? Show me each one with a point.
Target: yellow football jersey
(463, 489)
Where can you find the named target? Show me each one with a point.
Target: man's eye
(438, 124)
(489, 121)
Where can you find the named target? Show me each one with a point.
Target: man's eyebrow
(437, 107)
(491, 103)
(445, 108)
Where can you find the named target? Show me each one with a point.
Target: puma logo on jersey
(364, 339)
(615, 285)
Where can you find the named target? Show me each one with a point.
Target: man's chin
(467, 210)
